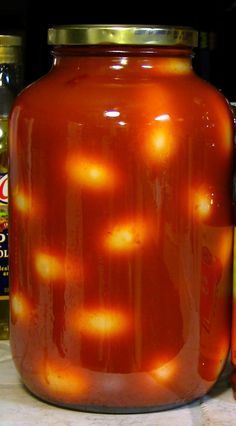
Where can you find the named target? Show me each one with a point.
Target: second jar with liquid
(121, 175)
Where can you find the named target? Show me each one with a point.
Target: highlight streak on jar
(48, 267)
(101, 322)
(90, 173)
(126, 237)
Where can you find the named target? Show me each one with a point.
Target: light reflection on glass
(124, 61)
(116, 67)
(111, 114)
(162, 117)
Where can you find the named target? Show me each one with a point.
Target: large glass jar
(121, 223)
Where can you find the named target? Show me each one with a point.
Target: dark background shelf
(215, 20)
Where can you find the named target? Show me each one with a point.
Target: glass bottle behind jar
(233, 336)
(121, 288)
(10, 85)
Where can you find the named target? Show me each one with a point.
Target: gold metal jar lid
(10, 48)
(10, 40)
(122, 34)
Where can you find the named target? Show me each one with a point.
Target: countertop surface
(18, 407)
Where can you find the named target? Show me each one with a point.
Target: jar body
(121, 173)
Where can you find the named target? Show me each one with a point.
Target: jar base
(101, 409)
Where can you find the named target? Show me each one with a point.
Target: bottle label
(4, 267)
(3, 188)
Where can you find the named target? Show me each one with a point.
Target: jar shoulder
(56, 91)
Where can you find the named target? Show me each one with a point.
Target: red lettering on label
(4, 188)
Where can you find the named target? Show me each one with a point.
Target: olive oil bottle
(10, 85)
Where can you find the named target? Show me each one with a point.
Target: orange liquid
(121, 232)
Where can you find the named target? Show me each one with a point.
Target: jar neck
(164, 60)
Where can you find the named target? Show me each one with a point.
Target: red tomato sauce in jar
(121, 223)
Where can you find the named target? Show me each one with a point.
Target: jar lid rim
(156, 35)
(10, 40)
